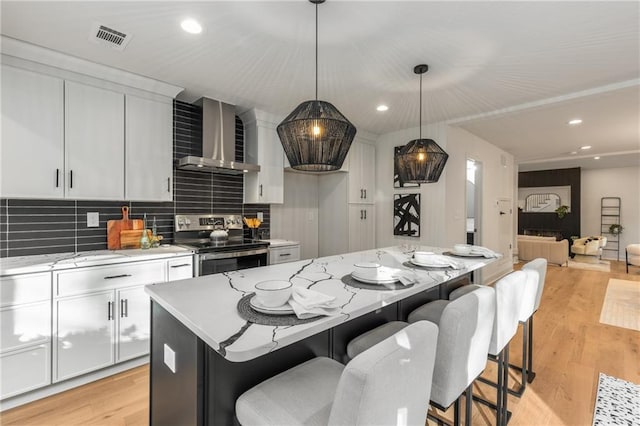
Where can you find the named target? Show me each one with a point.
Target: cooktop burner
(229, 245)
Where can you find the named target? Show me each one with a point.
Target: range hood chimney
(218, 141)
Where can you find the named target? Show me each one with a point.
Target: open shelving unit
(610, 214)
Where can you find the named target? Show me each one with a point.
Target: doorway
(474, 208)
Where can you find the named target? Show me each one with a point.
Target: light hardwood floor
(570, 348)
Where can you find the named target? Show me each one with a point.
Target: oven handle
(231, 254)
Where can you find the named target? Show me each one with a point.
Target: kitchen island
(204, 354)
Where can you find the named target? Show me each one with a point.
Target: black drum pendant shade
(421, 160)
(316, 137)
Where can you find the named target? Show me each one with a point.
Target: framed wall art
(406, 214)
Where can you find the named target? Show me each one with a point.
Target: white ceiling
(483, 57)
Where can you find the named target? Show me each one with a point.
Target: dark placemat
(249, 314)
(426, 268)
(349, 280)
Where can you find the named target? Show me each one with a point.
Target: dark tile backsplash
(29, 227)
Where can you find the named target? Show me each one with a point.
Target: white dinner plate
(428, 265)
(278, 310)
(381, 280)
(470, 254)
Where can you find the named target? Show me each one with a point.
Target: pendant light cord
(316, 51)
(420, 131)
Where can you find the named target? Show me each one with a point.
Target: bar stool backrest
(540, 265)
(509, 290)
(389, 383)
(466, 326)
(527, 305)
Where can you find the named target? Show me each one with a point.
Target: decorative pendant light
(421, 160)
(316, 136)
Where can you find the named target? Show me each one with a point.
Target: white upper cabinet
(94, 142)
(263, 147)
(362, 162)
(148, 149)
(32, 147)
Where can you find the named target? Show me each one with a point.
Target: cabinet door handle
(361, 215)
(121, 308)
(168, 184)
(365, 214)
(126, 307)
(109, 310)
(365, 194)
(261, 190)
(361, 195)
(284, 254)
(110, 277)
(70, 178)
(57, 178)
(180, 266)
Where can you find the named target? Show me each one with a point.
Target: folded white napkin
(310, 303)
(405, 277)
(440, 260)
(484, 251)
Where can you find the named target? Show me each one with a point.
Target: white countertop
(58, 261)
(207, 305)
(281, 243)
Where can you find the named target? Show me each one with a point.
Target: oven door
(215, 263)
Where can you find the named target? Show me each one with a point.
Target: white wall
(498, 183)
(623, 182)
(443, 204)
(297, 218)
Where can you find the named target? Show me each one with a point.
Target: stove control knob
(187, 222)
(180, 222)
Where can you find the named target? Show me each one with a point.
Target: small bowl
(462, 248)
(366, 269)
(422, 256)
(274, 293)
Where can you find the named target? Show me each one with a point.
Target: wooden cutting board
(114, 227)
(130, 239)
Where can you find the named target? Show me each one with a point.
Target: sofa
(632, 255)
(531, 247)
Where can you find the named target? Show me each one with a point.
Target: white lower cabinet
(361, 227)
(25, 369)
(180, 268)
(134, 329)
(84, 331)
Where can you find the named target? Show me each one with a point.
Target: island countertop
(207, 305)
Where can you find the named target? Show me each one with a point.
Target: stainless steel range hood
(218, 142)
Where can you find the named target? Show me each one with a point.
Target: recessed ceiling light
(575, 122)
(382, 108)
(573, 152)
(586, 147)
(596, 158)
(191, 26)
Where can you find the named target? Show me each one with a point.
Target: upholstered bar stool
(465, 328)
(388, 384)
(539, 265)
(508, 293)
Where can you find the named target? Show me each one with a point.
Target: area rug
(617, 402)
(601, 266)
(621, 306)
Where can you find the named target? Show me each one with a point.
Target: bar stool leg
(468, 405)
(456, 412)
(499, 388)
(530, 374)
(505, 383)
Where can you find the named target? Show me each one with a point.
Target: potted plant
(562, 211)
(615, 229)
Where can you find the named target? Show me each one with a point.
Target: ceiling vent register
(109, 37)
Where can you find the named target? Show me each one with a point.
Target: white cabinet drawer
(25, 370)
(24, 325)
(25, 288)
(284, 254)
(112, 276)
(180, 268)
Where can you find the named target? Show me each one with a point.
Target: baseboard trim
(55, 388)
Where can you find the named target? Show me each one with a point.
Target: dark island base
(204, 388)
